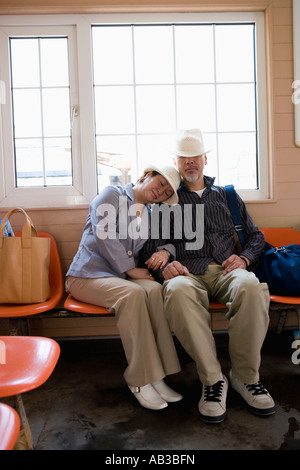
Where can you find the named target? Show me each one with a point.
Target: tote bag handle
(28, 229)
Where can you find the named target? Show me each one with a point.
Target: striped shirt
(219, 233)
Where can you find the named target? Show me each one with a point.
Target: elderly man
(215, 271)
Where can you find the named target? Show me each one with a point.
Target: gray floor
(85, 405)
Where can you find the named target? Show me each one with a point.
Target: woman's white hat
(189, 143)
(172, 176)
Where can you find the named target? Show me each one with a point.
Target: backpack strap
(234, 208)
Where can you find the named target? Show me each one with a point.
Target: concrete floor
(85, 405)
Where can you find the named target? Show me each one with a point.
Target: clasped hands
(156, 261)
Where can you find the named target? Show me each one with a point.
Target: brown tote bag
(24, 264)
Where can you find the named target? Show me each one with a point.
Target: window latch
(74, 114)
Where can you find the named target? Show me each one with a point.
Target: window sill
(44, 198)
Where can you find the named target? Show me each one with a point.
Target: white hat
(172, 176)
(189, 143)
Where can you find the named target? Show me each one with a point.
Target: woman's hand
(158, 260)
(139, 273)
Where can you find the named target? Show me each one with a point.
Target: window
(150, 80)
(89, 100)
(41, 111)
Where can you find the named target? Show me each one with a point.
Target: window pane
(194, 54)
(27, 113)
(155, 149)
(56, 112)
(114, 108)
(153, 47)
(155, 109)
(196, 107)
(236, 107)
(29, 162)
(117, 145)
(33, 154)
(54, 62)
(25, 62)
(116, 160)
(211, 169)
(41, 111)
(234, 53)
(58, 163)
(237, 160)
(112, 55)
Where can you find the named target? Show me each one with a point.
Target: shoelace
(257, 388)
(213, 392)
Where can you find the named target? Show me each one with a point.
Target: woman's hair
(142, 178)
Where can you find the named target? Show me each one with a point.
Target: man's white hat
(172, 176)
(189, 143)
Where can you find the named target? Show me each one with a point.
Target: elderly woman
(105, 272)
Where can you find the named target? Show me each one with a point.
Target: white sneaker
(166, 392)
(212, 405)
(148, 397)
(258, 399)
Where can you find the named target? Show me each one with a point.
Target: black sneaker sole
(260, 411)
(212, 419)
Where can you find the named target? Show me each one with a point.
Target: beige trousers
(144, 330)
(186, 307)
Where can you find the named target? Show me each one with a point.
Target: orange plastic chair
(56, 288)
(75, 305)
(279, 237)
(81, 307)
(216, 306)
(9, 427)
(26, 362)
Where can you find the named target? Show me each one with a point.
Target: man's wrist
(246, 261)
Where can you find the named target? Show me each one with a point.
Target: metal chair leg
(25, 440)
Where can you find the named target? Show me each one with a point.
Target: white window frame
(78, 30)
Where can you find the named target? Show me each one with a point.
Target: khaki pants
(186, 307)
(143, 327)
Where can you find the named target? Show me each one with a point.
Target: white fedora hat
(189, 143)
(172, 176)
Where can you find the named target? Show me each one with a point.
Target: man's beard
(191, 178)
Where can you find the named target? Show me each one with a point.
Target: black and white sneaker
(212, 405)
(257, 398)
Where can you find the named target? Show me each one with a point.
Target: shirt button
(129, 253)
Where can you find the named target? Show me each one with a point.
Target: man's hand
(234, 262)
(174, 269)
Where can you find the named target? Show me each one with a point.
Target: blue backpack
(279, 267)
